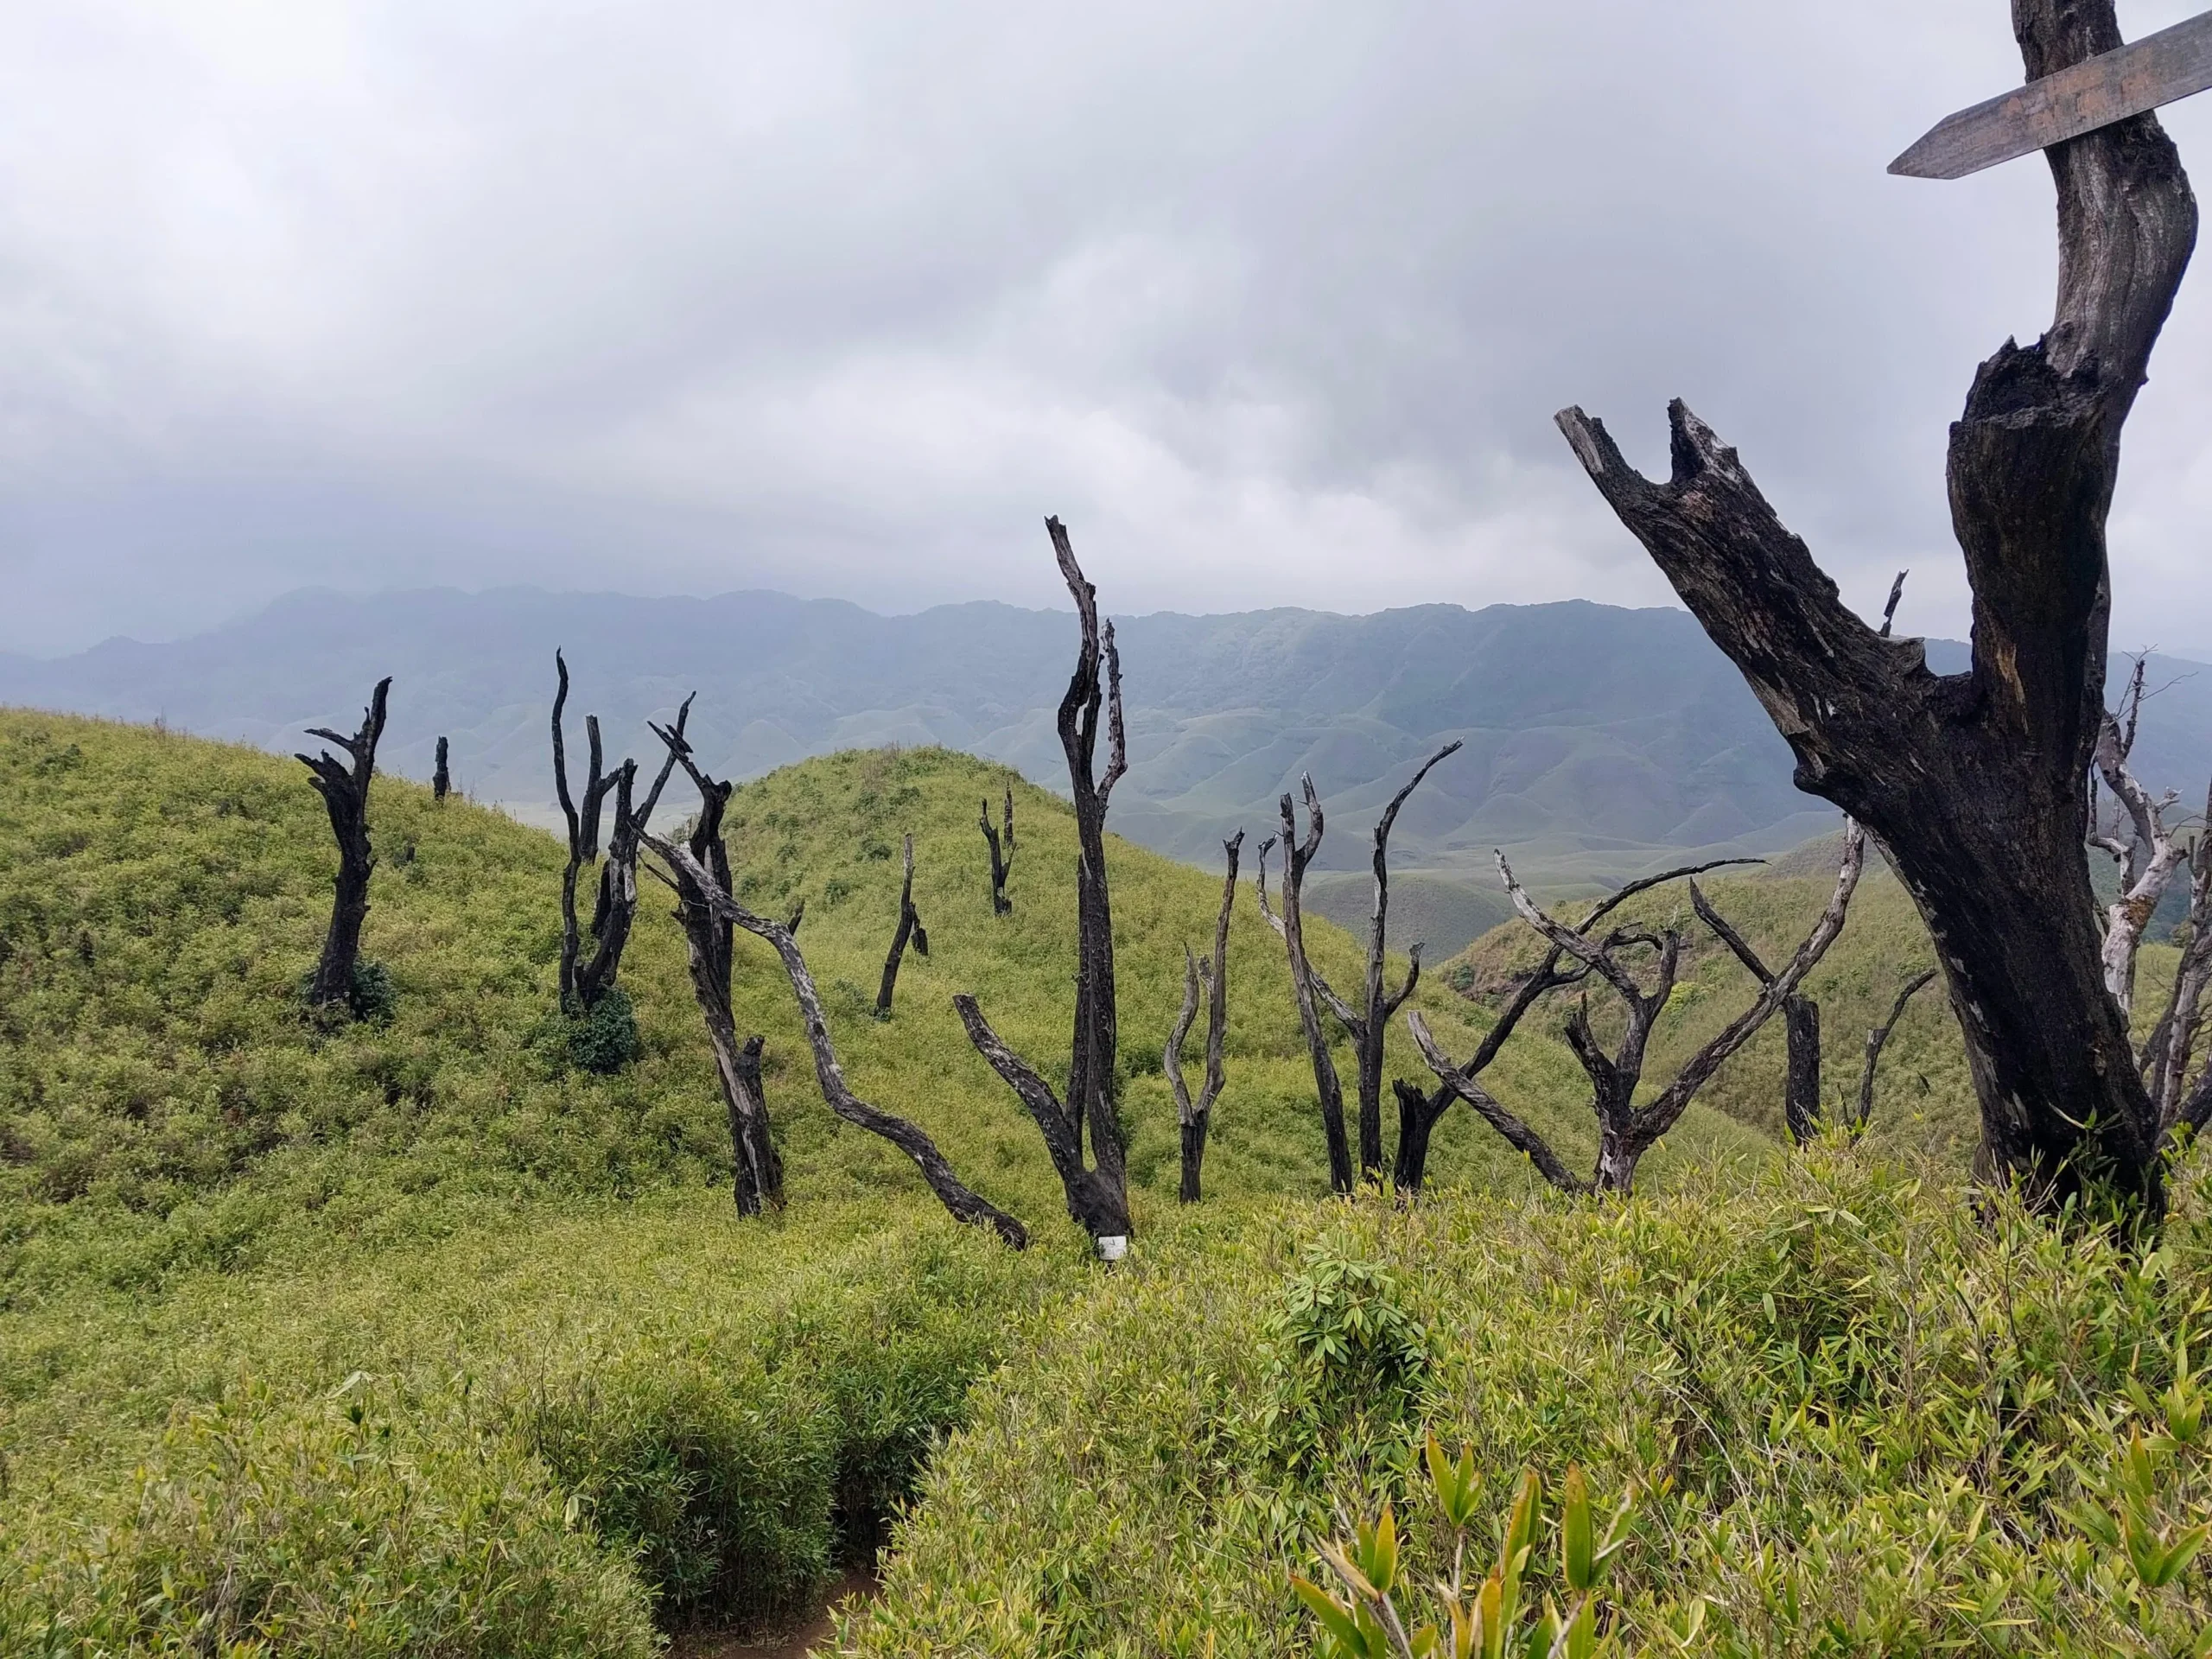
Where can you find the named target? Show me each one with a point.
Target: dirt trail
(795, 1642)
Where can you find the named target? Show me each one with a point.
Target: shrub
(606, 1040)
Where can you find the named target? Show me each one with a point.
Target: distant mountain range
(1600, 741)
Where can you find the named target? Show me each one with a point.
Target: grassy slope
(206, 1201)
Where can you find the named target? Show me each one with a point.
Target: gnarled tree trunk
(1001, 854)
(343, 786)
(910, 929)
(441, 779)
(1195, 1118)
(1974, 784)
(1096, 1189)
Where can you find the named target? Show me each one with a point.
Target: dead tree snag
(343, 786)
(1418, 1114)
(962, 1203)
(1801, 1019)
(1096, 1189)
(1626, 1130)
(758, 1172)
(1975, 783)
(440, 779)
(1307, 986)
(1195, 1118)
(910, 928)
(1001, 854)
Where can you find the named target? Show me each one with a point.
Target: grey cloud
(1273, 302)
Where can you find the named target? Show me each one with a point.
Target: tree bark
(343, 786)
(586, 980)
(1974, 784)
(1296, 855)
(1001, 854)
(1800, 1093)
(962, 1203)
(440, 779)
(1096, 1191)
(910, 928)
(1196, 1117)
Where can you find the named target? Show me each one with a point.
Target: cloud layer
(1272, 302)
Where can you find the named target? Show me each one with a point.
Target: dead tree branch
(1196, 1117)
(1098, 1191)
(2148, 858)
(961, 1203)
(1801, 1018)
(1876, 1040)
(343, 786)
(910, 928)
(1305, 982)
(1975, 783)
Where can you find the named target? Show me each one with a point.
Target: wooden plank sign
(2095, 93)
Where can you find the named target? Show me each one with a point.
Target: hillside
(227, 1232)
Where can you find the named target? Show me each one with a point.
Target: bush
(606, 1040)
(1860, 1418)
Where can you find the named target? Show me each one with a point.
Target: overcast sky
(1272, 302)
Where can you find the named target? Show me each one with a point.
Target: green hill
(228, 1232)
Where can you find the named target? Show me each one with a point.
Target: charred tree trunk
(1876, 1040)
(1001, 855)
(962, 1203)
(1975, 783)
(1306, 985)
(910, 928)
(343, 786)
(586, 980)
(758, 1172)
(1195, 1118)
(1379, 1005)
(1097, 1190)
(440, 779)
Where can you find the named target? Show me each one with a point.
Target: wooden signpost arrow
(2095, 93)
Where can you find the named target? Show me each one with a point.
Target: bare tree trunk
(910, 927)
(1098, 1191)
(1877, 1040)
(586, 981)
(962, 1203)
(1195, 1118)
(1974, 783)
(757, 1178)
(440, 779)
(1296, 856)
(344, 790)
(1001, 855)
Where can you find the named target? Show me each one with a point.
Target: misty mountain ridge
(1600, 741)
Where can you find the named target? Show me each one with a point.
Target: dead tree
(962, 1203)
(910, 928)
(1418, 1114)
(1876, 1040)
(1974, 784)
(1626, 1130)
(1800, 1020)
(585, 981)
(1196, 1117)
(708, 937)
(344, 790)
(2164, 1058)
(1097, 1188)
(1001, 854)
(440, 779)
(2148, 857)
(1307, 987)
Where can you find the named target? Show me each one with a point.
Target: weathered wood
(2126, 81)
(1975, 783)
(343, 786)
(441, 778)
(1001, 849)
(1195, 1118)
(1297, 854)
(1801, 1019)
(909, 929)
(964, 1205)
(1096, 1191)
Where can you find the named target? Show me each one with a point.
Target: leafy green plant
(606, 1040)
(1484, 1621)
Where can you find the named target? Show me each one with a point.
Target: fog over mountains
(1599, 740)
